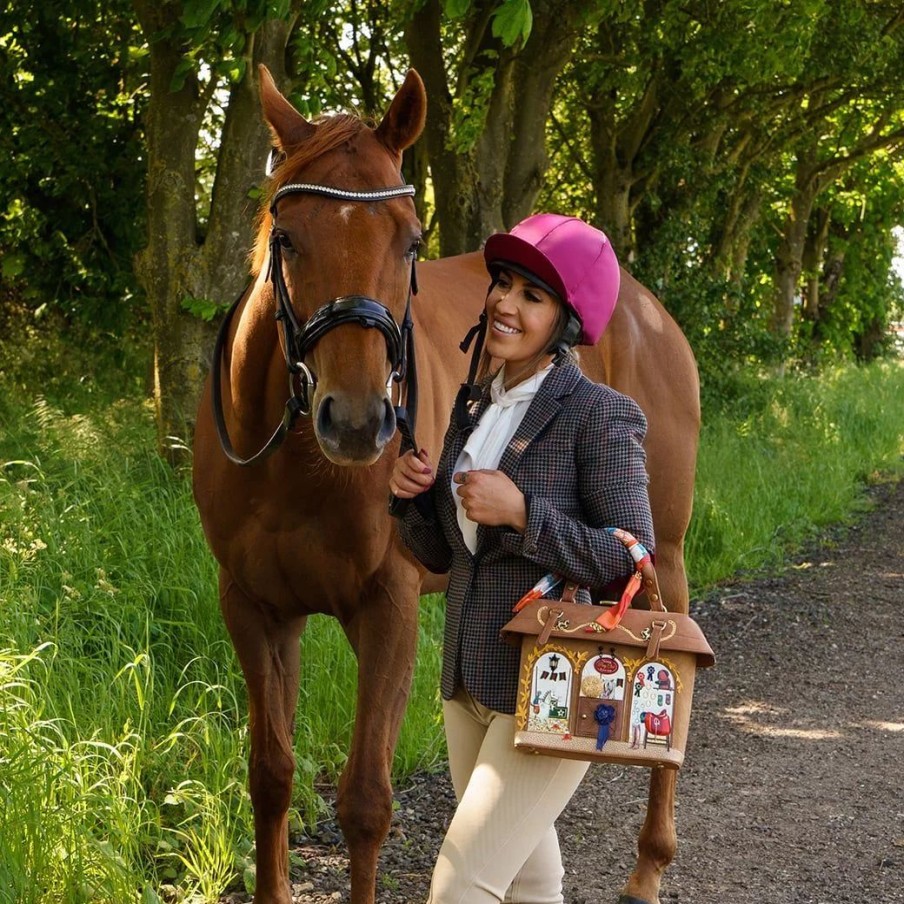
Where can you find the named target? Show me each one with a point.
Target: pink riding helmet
(570, 256)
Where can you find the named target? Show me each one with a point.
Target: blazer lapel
(542, 409)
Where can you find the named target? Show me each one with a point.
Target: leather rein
(299, 338)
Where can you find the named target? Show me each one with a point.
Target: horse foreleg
(268, 651)
(384, 636)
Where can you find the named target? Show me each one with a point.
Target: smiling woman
(523, 321)
(532, 473)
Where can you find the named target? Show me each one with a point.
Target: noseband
(299, 338)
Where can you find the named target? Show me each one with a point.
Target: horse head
(339, 236)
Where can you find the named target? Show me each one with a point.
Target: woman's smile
(505, 328)
(523, 319)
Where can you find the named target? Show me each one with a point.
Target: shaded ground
(793, 787)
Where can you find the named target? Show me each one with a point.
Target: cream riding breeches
(501, 844)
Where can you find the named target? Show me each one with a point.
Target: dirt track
(793, 788)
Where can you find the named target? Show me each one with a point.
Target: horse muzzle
(352, 430)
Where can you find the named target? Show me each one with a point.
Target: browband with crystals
(342, 194)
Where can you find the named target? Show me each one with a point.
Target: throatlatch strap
(290, 413)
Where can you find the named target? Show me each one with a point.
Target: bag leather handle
(644, 576)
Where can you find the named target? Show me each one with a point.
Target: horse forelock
(332, 132)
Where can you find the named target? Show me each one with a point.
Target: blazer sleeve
(612, 483)
(425, 537)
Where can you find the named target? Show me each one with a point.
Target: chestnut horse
(306, 529)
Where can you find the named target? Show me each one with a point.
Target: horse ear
(404, 120)
(288, 126)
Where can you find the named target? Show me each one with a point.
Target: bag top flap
(576, 621)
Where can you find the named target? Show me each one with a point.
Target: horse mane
(332, 131)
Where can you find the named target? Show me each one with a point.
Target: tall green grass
(792, 457)
(123, 737)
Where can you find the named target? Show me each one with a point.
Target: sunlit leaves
(512, 21)
(455, 9)
(470, 109)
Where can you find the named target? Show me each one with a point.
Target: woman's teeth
(511, 331)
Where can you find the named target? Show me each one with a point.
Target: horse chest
(306, 562)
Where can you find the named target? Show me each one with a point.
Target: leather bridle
(299, 338)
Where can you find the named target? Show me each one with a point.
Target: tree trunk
(750, 214)
(178, 263)
(492, 183)
(173, 121)
(612, 182)
(728, 231)
(454, 182)
(814, 252)
(618, 139)
(551, 44)
(789, 255)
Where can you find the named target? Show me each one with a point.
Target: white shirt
(491, 436)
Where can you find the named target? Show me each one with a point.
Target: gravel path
(793, 787)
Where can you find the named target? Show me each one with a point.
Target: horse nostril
(324, 417)
(387, 428)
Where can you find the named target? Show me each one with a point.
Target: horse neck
(258, 377)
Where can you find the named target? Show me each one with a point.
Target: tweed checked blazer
(578, 458)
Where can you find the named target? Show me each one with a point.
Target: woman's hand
(490, 498)
(411, 475)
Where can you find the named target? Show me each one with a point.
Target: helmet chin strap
(570, 337)
(470, 391)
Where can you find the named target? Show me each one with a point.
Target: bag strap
(644, 576)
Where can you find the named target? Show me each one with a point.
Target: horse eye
(284, 241)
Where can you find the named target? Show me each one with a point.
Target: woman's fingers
(411, 475)
(491, 498)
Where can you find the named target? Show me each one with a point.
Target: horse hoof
(630, 899)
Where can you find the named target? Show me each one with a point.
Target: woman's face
(521, 318)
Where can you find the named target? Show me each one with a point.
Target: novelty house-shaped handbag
(611, 684)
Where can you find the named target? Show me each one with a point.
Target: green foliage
(217, 33)
(716, 102)
(204, 308)
(512, 21)
(471, 107)
(71, 177)
(705, 111)
(788, 459)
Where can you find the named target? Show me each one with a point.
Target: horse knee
(270, 782)
(365, 816)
